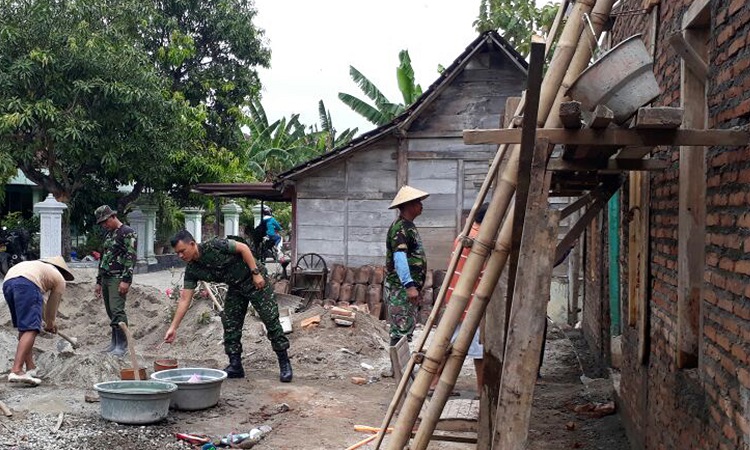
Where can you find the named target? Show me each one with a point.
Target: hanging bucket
(622, 79)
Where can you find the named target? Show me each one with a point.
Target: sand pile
(316, 352)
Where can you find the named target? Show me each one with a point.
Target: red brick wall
(708, 407)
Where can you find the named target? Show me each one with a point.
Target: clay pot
(128, 374)
(164, 364)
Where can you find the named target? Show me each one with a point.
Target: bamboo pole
(483, 294)
(580, 61)
(555, 25)
(564, 52)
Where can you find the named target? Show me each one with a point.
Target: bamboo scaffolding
(478, 255)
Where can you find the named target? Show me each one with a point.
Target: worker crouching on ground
(231, 262)
(24, 289)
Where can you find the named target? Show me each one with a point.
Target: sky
(313, 43)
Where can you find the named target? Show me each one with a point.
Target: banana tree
(383, 111)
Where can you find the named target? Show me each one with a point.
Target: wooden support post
(574, 284)
(511, 105)
(606, 165)
(402, 163)
(528, 316)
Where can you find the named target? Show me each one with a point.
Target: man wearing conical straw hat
(24, 288)
(405, 264)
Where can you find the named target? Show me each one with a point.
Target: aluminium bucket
(135, 402)
(197, 388)
(622, 79)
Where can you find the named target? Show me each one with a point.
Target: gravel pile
(35, 432)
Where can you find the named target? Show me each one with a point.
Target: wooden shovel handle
(133, 360)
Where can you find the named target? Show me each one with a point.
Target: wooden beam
(662, 117)
(693, 60)
(615, 137)
(600, 118)
(581, 202)
(570, 114)
(402, 163)
(576, 230)
(698, 15)
(611, 165)
(634, 152)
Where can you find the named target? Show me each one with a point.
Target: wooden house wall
(342, 209)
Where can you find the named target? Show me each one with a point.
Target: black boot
(121, 343)
(285, 367)
(234, 369)
(111, 342)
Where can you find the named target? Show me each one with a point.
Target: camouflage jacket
(218, 263)
(118, 255)
(404, 237)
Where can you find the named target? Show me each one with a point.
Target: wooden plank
(432, 155)
(644, 284)
(570, 114)
(635, 236)
(662, 117)
(581, 202)
(611, 165)
(529, 146)
(693, 61)
(698, 15)
(691, 229)
(615, 137)
(402, 163)
(576, 230)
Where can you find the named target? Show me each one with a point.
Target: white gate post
(231, 213)
(50, 218)
(194, 222)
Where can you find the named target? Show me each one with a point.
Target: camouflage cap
(103, 213)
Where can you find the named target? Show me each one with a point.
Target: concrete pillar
(194, 222)
(150, 212)
(231, 213)
(50, 219)
(256, 214)
(138, 221)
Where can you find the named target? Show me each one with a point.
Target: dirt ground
(316, 411)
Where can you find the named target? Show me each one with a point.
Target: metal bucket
(197, 388)
(622, 79)
(135, 402)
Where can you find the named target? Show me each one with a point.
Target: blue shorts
(25, 301)
(476, 350)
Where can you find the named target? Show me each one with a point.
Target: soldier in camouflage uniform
(115, 273)
(230, 261)
(405, 264)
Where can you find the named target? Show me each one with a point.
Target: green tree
(82, 106)
(516, 20)
(210, 51)
(383, 110)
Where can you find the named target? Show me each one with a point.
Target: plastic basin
(197, 388)
(135, 402)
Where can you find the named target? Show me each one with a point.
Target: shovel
(133, 359)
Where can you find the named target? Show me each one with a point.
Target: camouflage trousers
(235, 310)
(402, 313)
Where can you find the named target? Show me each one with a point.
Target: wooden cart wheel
(311, 262)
